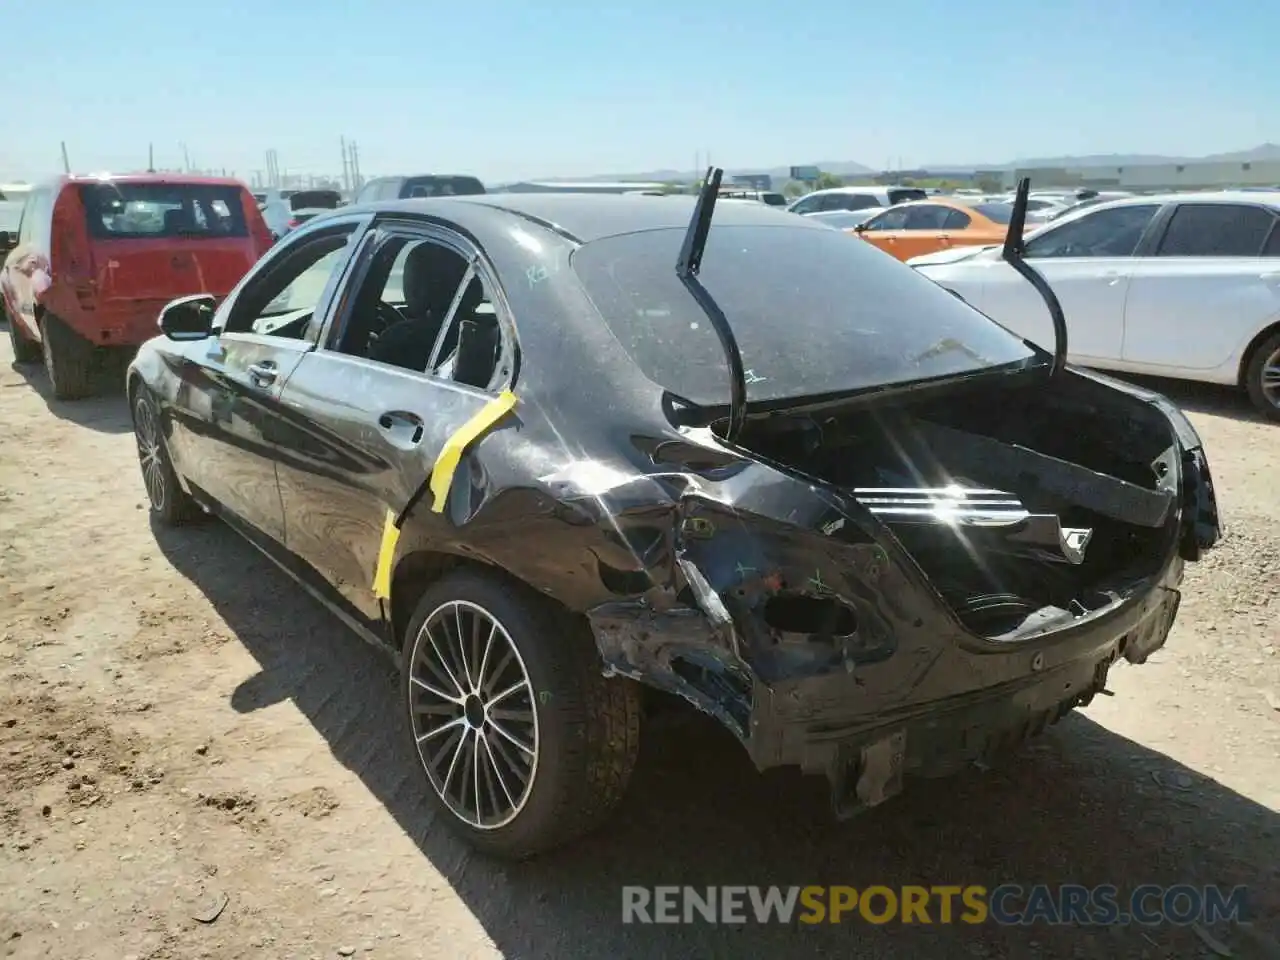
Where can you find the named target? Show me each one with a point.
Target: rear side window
(441, 187)
(1216, 230)
(122, 211)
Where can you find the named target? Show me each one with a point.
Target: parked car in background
(286, 210)
(769, 197)
(1175, 285)
(845, 219)
(419, 185)
(854, 198)
(98, 257)
(939, 223)
(305, 204)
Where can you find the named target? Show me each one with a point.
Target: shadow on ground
(105, 411)
(1081, 805)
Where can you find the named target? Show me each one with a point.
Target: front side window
(1114, 232)
(282, 300)
(139, 211)
(1216, 230)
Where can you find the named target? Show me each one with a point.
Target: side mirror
(860, 228)
(188, 318)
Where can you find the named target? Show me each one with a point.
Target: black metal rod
(1013, 255)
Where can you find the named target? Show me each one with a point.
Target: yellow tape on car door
(441, 480)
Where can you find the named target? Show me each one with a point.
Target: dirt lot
(180, 726)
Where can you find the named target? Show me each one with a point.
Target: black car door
(227, 410)
(374, 406)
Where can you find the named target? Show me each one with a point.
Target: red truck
(96, 258)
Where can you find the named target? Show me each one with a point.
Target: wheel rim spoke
(1271, 379)
(147, 434)
(474, 718)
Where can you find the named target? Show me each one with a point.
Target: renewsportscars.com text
(1007, 904)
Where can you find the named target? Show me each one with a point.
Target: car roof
(1267, 198)
(585, 217)
(143, 178)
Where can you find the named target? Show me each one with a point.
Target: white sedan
(1181, 285)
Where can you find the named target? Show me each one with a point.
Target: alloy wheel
(150, 453)
(473, 714)
(1271, 378)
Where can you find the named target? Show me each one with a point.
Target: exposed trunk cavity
(1020, 518)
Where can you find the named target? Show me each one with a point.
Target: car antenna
(687, 268)
(1014, 250)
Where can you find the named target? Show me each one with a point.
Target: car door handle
(402, 426)
(263, 374)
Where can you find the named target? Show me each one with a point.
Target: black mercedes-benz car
(552, 451)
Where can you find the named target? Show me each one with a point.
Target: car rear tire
(524, 743)
(1262, 377)
(24, 350)
(68, 359)
(169, 502)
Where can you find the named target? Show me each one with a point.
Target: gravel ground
(182, 731)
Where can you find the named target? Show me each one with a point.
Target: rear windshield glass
(904, 194)
(313, 199)
(814, 312)
(441, 187)
(147, 210)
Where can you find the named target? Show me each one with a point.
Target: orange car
(925, 226)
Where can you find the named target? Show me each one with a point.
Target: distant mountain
(1266, 151)
(841, 168)
(851, 168)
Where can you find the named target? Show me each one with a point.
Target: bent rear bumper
(867, 761)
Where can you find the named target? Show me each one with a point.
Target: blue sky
(511, 89)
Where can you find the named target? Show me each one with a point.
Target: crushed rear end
(906, 578)
(906, 590)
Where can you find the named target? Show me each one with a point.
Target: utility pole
(355, 166)
(151, 158)
(66, 164)
(186, 158)
(346, 165)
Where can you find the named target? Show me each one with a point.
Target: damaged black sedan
(550, 450)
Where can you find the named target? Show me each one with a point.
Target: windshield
(814, 313)
(153, 210)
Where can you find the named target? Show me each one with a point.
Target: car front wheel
(169, 502)
(524, 743)
(1262, 377)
